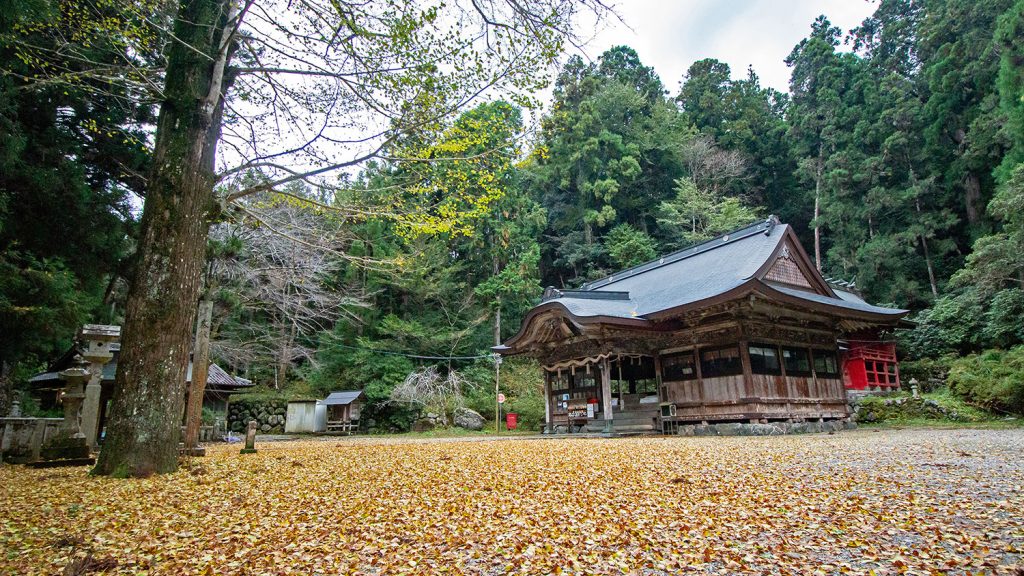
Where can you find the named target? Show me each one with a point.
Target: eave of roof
(854, 305)
(565, 310)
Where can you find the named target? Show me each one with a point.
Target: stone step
(634, 422)
(624, 428)
(632, 413)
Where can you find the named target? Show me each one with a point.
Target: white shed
(306, 416)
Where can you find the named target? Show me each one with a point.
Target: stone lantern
(96, 340)
(75, 377)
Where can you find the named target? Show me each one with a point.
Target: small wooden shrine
(741, 328)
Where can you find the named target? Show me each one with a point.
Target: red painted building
(869, 359)
(870, 364)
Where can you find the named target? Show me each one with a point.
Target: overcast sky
(672, 34)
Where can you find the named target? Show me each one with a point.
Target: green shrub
(210, 415)
(965, 322)
(522, 383)
(993, 379)
(930, 373)
(530, 410)
(30, 407)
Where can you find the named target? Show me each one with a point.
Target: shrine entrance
(603, 393)
(634, 381)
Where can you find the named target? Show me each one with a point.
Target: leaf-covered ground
(913, 502)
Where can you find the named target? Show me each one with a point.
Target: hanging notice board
(578, 409)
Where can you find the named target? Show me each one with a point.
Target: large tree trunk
(284, 355)
(817, 224)
(497, 323)
(496, 269)
(927, 257)
(972, 198)
(819, 168)
(146, 413)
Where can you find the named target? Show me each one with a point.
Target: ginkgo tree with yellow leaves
(295, 89)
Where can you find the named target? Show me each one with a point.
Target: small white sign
(501, 398)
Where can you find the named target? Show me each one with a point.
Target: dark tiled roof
(699, 272)
(216, 377)
(694, 274)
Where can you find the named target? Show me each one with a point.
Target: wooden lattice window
(764, 359)
(681, 366)
(880, 373)
(720, 362)
(825, 365)
(797, 361)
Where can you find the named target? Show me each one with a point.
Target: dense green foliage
(69, 161)
(994, 379)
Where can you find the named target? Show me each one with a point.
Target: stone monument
(250, 439)
(69, 448)
(75, 377)
(96, 340)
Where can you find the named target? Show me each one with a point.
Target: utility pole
(497, 404)
(200, 365)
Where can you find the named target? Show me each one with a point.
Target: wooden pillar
(606, 395)
(700, 379)
(748, 375)
(622, 395)
(548, 429)
(662, 396)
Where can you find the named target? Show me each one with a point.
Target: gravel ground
(865, 502)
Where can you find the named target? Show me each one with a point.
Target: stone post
(6, 438)
(15, 408)
(913, 387)
(96, 339)
(250, 439)
(37, 439)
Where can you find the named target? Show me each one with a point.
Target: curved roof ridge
(765, 226)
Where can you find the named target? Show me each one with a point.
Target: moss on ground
(941, 408)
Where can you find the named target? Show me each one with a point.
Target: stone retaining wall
(268, 414)
(769, 429)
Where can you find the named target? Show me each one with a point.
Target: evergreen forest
(897, 155)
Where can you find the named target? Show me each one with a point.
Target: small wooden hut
(741, 328)
(343, 410)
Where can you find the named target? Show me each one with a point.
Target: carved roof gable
(790, 266)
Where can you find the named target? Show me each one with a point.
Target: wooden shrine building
(741, 328)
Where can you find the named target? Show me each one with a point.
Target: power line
(414, 356)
